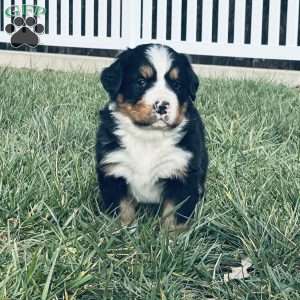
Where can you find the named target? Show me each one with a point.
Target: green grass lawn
(55, 244)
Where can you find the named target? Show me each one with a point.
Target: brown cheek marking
(180, 114)
(139, 113)
(174, 74)
(146, 71)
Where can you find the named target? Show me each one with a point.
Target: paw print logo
(24, 32)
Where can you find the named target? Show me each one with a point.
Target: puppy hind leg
(127, 211)
(170, 218)
(168, 215)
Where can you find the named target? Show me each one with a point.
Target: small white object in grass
(239, 272)
(133, 227)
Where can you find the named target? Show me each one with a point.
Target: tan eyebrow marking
(174, 73)
(146, 71)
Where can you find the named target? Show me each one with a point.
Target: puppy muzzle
(161, 111)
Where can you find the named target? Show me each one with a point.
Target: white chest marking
(146, 156)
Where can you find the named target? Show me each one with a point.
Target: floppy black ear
(194, 84)
(111, 77)
(193, 80)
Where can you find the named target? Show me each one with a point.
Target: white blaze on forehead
(160, 58)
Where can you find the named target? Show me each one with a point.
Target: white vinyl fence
(117, 24)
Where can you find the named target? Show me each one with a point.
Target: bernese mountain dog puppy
(150, 144)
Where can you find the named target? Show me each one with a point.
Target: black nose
(161, 107)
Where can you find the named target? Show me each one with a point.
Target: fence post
(131, 21)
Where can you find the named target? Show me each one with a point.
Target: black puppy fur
(122, 78)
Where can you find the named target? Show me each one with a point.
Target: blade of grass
(49, 277)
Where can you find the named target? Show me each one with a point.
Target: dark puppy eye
(141, 82)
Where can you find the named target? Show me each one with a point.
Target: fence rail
(233, 28)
